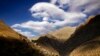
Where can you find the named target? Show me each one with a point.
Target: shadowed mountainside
(15, 44)
(54, 41)
(86, 39)
(75, 40)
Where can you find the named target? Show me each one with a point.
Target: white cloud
(54, 16)
(85, 6)
(25, 33)
(35, 26)
(46, 10)
(53, 1)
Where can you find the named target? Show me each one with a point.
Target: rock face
(15, 44)
(74, 40)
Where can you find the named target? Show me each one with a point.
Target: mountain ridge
(15, 44)
(80, 35)
(68, 41)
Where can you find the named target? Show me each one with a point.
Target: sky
(36, 17)
(16, 11)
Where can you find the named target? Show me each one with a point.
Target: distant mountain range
(83, 40)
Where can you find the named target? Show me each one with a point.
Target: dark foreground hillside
(14, 44)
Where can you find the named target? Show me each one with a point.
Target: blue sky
(37, 17)
(16, 11)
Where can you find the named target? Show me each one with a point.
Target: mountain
(15, 44)
(71, 41)
(83, 40)
(53, 41)
(63, 34)
(86, 39)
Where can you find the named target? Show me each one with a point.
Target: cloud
(54, 14)
(25, 33)
(57, 14)
(84, 6)
(34, 26)
(46, 10)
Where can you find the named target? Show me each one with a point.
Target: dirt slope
(69, 41)
(15, 44)
(88, 37)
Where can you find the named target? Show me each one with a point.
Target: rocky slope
(15, 44)
(70, 41)
(86, 39)
(53, 41)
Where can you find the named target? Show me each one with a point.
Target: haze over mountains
(83, 40)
